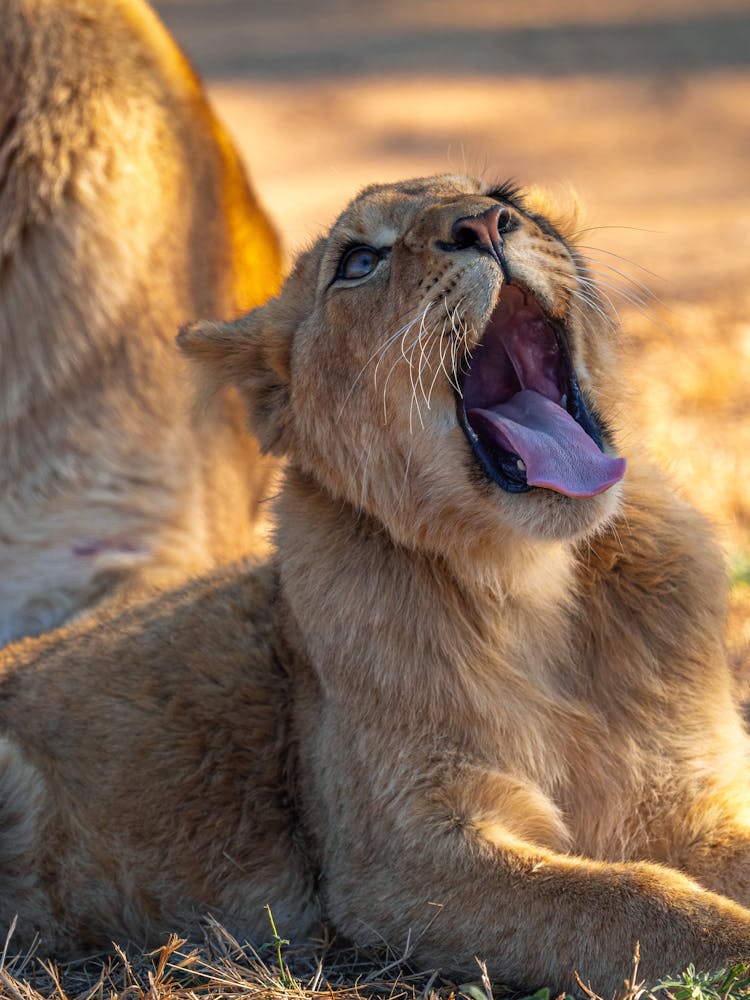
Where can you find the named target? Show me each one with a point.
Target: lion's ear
(564, 207)
(252, 353)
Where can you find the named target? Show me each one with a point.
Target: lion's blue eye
(358, 262)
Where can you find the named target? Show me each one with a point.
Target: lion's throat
(558, 454)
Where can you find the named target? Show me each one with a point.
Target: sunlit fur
(124, 211)
(490, 725)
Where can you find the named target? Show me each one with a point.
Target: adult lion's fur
(496, 723)
(124, 211)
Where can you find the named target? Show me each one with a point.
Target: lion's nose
(482, 231)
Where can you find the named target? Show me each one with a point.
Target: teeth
(564, 401)
(520, 465)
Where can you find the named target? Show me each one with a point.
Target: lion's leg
(23, 803)
(716, 851)
(722, 864)
(536, 917)
(459, 882)
(703, 823)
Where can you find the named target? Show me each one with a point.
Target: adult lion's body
(477, 700)
(124, 211)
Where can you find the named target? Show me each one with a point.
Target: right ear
(251, 353)
(254, 353)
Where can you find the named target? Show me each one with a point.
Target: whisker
(414, 401)
(625, 260)
(453, 377)
(587, 291)
(404, 331)
(595, 290)
(437, 342)
(454, 362)
(410, 362)
(402, 491)
(380, 350)
(644, 305)
(633, 300)
(633, 229)
(468, 356)
(444, 347)
(448, 374)
(398, 358)
(422, 336)
(644, 293)
(461, 341)
(594, 306)
(454, 318)
(363, 463)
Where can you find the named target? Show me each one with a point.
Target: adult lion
(479, 694)
(124, 211)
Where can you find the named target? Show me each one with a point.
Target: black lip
(501, 466)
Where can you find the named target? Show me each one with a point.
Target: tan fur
(124, 211)
(493, 724)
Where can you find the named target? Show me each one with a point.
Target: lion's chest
(594, 758)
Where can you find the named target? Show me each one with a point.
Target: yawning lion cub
(479, 695)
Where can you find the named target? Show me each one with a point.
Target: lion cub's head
(440, 361)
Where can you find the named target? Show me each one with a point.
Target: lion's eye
(358, 262)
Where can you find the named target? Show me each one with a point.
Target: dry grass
(690, 365)
(692, 372)
(220, 968)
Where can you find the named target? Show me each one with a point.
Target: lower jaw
(501, 468)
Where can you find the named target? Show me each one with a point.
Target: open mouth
(523, 411)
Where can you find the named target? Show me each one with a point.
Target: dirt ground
(640, 107)
(643, 108)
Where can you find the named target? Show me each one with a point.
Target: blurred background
(639, 108)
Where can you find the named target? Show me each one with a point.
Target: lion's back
(124, 212)
(177, 707)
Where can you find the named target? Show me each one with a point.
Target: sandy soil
(642, 107)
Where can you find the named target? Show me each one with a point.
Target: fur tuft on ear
(251, 353)
(563, 207)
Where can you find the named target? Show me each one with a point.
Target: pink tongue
(557, 451)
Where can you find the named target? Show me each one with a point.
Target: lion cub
(477, 697)
(124, 211)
